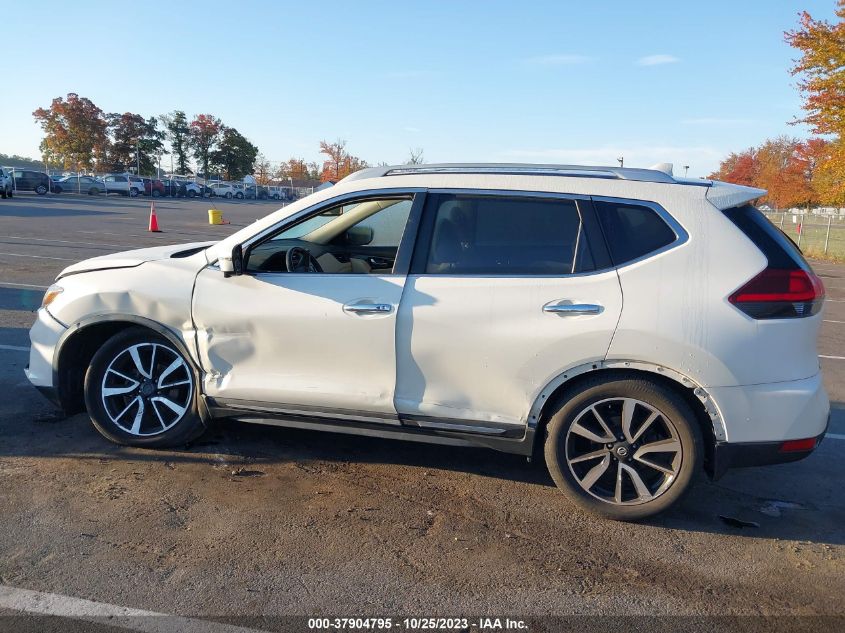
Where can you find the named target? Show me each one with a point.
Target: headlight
(52, 292)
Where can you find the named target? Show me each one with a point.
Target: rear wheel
(625, 449)
(156, 193)
(239, 195)
(229, 195)
(93, 191)
(41, 189)
(141, 391)
(133, 192)
(192, 193)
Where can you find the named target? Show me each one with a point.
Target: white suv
(6, 184)
(634, 327)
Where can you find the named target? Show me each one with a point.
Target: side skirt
(510, 439)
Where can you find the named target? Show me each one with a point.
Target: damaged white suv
(634, 327)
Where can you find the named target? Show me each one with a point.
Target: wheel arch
(708, 415)
(80, 342)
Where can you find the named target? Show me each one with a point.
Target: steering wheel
(299, 260)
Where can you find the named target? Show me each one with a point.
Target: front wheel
(41, 190)
(141, 391)
(239, 196)
(229, 195)
(192, 193)
(156, 193)
(625, 449)
(133, 193)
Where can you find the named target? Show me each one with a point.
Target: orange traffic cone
(153, 228)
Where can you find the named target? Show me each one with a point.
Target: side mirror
(359, 235)
(233, 265)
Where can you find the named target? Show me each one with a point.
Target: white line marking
(836, 300)
(14, 348)
(832, 357)
(17, 285)
(64, 259)
(829, 321)
(835, 436)
(57, 605)
(41, 239)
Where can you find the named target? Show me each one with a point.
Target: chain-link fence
(817, 233)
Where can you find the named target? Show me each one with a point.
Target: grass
(813, 234)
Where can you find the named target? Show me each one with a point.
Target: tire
(41, 189)
(93, 191)
(139, 412)
(229, 195)
(156, 193)
(192, 193)
(239, 196)
(133, 192)
(593, 481)
(3, 194)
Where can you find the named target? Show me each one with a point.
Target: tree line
(812, 172)
(79, 135)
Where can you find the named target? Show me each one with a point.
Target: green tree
(235, 155)
(134, 139)
(74, 132)
(178, 135)
(204, 134)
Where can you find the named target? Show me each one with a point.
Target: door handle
(573, 309)
(368, 308)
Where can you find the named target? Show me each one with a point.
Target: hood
(130, 259)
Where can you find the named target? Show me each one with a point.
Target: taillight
(780, 294)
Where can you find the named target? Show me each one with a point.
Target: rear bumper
(773, 412)
(741, 455)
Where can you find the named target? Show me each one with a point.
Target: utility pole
(686, 169)
(138, 157)
(621, 160)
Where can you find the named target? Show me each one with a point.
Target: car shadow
(802, 501)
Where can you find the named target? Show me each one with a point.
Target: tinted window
(486, 235)
(775, 245)
(632, 230)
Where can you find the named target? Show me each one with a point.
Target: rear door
(506, 292)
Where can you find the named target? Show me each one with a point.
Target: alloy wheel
(623, 451)
(147, 389)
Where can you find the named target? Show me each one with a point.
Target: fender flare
(713, 412)
(159, 328)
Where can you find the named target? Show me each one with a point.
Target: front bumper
(44, 336)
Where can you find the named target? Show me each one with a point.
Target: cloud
(558, 60)
(657, 60)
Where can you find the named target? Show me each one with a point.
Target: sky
(549, 82)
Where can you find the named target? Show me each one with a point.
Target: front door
(505, 294)
(310, 327)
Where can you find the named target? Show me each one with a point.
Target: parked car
(171, 187)
(31, 180)
(238, 190)
(124, 184)
(6, 187)
(79, 184)
(223, 190)
(274, 192)
(482, 305)
(153, 187)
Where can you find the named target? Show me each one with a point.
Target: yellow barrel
(215, 216)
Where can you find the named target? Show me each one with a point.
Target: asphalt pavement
(254, 521)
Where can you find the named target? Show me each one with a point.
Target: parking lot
(254, 520)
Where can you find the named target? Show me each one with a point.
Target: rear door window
(498, 235)
(632, 230)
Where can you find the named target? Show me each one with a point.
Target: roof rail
(521, 169)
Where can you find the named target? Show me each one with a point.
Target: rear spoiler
(724, 195)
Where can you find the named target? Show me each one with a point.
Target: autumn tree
(178, 135)
(74, 131)
(203, 137)
(821, 73)
(740, 168)
(135, 141)
(263, 170)
(339, 163)
(235, 155)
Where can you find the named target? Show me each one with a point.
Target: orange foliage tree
(339, 163)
